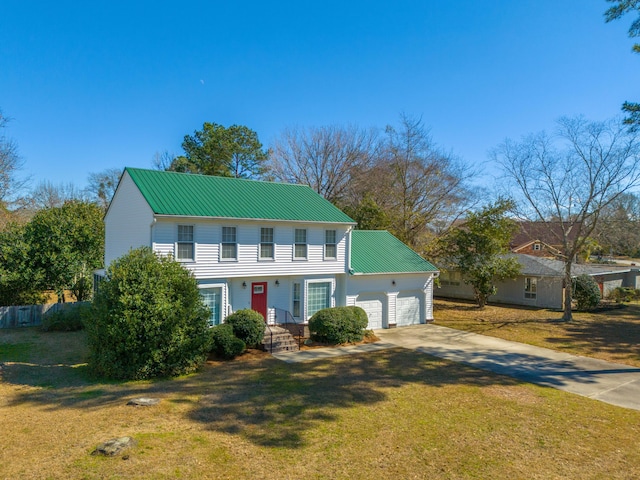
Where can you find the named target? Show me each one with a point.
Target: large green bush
(248, 326)
(338, 325)
(68, 319)
(224, 343)
(586, 292)
(147, 319)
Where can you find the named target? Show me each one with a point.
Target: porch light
(244, 284)
(277, 283)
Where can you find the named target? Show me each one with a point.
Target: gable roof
(192, 195)
(377, 251)
(549, 233)
(546, 267)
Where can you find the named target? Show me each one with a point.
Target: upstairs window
(330, 248)
(266, 244)
(185, 246)
(300, 244)
(537, 246)
(530, 288)
(229, 243)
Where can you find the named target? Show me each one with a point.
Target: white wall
(127, 222)
(208, 236)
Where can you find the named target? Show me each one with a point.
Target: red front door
(259, 298)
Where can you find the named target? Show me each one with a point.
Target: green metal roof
(377, 251)
(182, 194)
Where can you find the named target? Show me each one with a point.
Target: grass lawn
(612, 334)
(392, 414)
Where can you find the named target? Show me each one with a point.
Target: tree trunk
(567, 315)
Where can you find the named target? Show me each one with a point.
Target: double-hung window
(330, 248)
(185, 246)
(229, 243)
(530, 288)
(300, 244)
(266, 244)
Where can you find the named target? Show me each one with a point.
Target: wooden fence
(28, 315)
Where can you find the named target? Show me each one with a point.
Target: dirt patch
(308, 344)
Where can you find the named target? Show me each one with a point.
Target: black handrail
(284, 317)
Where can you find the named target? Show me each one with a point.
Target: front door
(259, 298)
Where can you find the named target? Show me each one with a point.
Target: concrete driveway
(608, 382)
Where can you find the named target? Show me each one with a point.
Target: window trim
(296, 243)
(223, 243)
(529, 292)
(262, 243)
(223, 295)
(297, 300)
(183, 242)
(332, 293)
(328, 244)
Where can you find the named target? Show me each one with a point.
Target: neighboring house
(541, 239)
(278, 248)
(541, 282)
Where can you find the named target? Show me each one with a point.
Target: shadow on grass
(618, 337)
(266, 401)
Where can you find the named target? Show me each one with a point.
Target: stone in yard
(143, 402)
(113, 447)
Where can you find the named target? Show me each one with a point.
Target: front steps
(277, 340)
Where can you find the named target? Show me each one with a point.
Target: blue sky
(96, 85)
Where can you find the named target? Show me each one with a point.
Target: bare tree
(325, 158)
(10, 165)
(102, 186)
(618, 230)
(422, 188)
(571, 177)
(49, 195)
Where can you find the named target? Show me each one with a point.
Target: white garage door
(408, 308)
(372, 304)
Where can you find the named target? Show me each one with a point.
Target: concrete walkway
(608, 382)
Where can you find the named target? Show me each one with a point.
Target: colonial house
(277, 248)
(541, 282)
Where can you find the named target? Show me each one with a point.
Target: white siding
(208, 237)
(127, 222)
(393, 288)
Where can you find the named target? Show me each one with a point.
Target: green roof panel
(191, 195)
(377, 251)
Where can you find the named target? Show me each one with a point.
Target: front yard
(609, 334)
(391, 414)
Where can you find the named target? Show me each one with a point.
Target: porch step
(278, 340)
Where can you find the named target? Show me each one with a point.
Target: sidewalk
(608, 382)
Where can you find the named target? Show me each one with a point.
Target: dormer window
(537, 247)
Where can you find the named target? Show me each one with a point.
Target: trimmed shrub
(338, 325)
(69, 319)
(586, 292)
(248, 326)
(224, 343)
(147, 320)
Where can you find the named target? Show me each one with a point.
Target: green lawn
(611, 334)
(391, 414)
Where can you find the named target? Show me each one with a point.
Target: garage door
(408, 308)
(372, 304)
